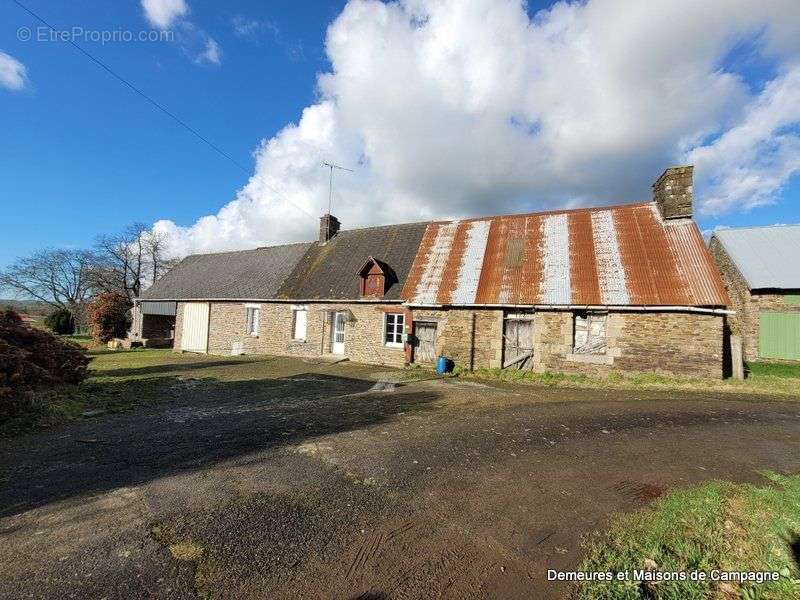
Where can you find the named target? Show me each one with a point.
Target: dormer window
(375, 278)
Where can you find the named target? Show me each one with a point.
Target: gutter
(278, 300)
(590, 307)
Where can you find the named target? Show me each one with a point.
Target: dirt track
(314, 486)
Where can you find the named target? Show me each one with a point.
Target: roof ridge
(747, 227)
(244, 250)
(557, 211)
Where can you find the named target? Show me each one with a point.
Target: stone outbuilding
(761, 270)
(629, 288)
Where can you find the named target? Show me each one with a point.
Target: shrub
(60, 322)
(108, 316)
(31, 358)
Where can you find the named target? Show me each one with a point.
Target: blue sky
(81, 155)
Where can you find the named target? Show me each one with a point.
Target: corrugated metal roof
(767, 257)
(158, 308)
(614, 256)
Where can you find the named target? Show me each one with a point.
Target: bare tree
(128, 262)
(57, 277)
(156, 245)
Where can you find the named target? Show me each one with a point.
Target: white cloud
(13, 74)
(747, 165)
(452, 108)
(211, 53)
(247, 27)
(193, 41)
(163, 13)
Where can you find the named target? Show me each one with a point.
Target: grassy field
(718, 526)
(762, 379)
(81, 340)
(121, 380)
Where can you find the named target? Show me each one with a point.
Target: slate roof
(767, 257)
(243, 275)
(330, 271)
(608, 256)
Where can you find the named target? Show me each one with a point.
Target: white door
(337, 333)
(194, 337)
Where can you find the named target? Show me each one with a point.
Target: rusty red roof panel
(612, 256)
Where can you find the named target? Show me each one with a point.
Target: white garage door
(194, 337)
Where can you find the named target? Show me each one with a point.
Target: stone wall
(363, 332)
(468, 337)
(746, 320)
(685, 344)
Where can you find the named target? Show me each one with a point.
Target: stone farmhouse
(630, 288)
(761, 270)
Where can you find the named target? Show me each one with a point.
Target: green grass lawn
(770, 369)
(81, 340)
(763, 379)
(722, 526)
(121, 380)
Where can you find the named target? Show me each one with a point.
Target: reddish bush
(108, 316)
(30, 358)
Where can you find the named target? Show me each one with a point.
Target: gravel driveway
(316, 485)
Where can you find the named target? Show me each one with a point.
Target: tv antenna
(332, 166)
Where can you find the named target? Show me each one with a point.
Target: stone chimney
(672, 193)
(328, 227)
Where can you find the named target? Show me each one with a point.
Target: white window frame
(395, 332)
(253, 319)
(297, 309)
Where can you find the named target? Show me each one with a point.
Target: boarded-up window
(590, 333)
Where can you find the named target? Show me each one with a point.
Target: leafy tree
(60, 321)
(109, 316)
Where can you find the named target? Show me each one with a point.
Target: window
(393, 332)
(253, 313)
(299, 320)
(589, 333)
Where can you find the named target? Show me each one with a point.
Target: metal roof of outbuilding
(767, 257)
(610, 256)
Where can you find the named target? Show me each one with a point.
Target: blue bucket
(444, 365)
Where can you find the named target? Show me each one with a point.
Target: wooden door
(194, 337)
(425, 348)
(518, 344)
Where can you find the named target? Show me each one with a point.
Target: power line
(136, 90)
(160, 107)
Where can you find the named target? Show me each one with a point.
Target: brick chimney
(672, 193)
(328, 227)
